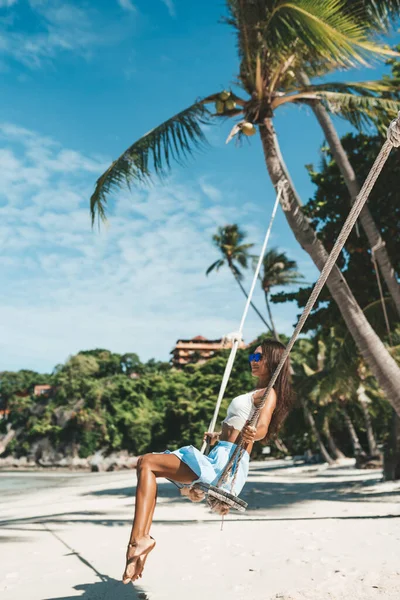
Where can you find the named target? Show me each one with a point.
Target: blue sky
(80, 82)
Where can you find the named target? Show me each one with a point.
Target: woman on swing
(187, 465)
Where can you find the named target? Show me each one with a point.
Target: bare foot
(142, 561)
(135, 557)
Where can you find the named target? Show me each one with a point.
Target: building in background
(199, 349)
(42, 390)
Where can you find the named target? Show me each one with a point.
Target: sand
(311, 533)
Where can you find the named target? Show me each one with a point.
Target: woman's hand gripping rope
(248, 434)
(212, 437)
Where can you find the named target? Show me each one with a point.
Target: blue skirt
(209, 468)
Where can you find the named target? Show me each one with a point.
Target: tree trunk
(276, 336)
(369, 344)
(5, 440)
(280, 444)
(309, 417)
(391, 466)
(364, 401)
(251, 303)
(355, 442)
(334, 450)
(368, 224)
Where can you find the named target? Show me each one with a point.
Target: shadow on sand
(106, 589)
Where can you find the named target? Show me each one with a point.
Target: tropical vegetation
(95, 404)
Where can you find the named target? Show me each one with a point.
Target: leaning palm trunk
(364, 401)
(369, 344)
(251, 303)
(311, 421)
(391, 465)
(368, 224)
(7, 439)
(355, 442)
(334, 450)
(274, 331)
(281, 446)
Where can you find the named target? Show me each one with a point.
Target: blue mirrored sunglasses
(256, 357)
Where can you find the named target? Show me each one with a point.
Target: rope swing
(237, 338)
(217, 497)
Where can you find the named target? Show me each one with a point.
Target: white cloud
(171, 7)
(210, 190)
(138, 284)
(127, 5)
(58, 27)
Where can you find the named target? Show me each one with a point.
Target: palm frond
(216, 265)
(241, 258)
(244, 247)
(361, 111)
(174, 139)
(354, 102)
(379, 14)
(244, 17)
(361, 87)
(325, 28)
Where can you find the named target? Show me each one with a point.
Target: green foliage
(91, 407)
(328, 210)
(173, 139)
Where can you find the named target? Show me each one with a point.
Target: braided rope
(393, 140)
(238, 334)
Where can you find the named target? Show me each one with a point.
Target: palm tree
(333, 448)
(378, 16)
(364, 401)
(274, 38)
(311, 421)
(277, 270)
(229, 241)
(358, 450)
(335, 378)
(372, 232)
(303, 379)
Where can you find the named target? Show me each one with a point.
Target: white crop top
(239, 411)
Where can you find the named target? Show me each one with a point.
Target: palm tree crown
(278, 270)
(274, 39)
(229, 240)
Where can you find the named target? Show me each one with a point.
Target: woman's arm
(253, 434)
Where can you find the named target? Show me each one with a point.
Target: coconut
(224, 95)
(230, 104)
(248, 129)
(219, 107)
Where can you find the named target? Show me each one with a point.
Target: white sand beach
(310, 533)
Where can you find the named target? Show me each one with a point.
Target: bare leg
(142, 559)
(149, 468)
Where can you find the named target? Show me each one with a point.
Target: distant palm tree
(229, 241)
(277, 270)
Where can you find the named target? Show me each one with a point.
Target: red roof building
(40, 390)
(199, 349)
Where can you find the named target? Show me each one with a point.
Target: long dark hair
(272, 351)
